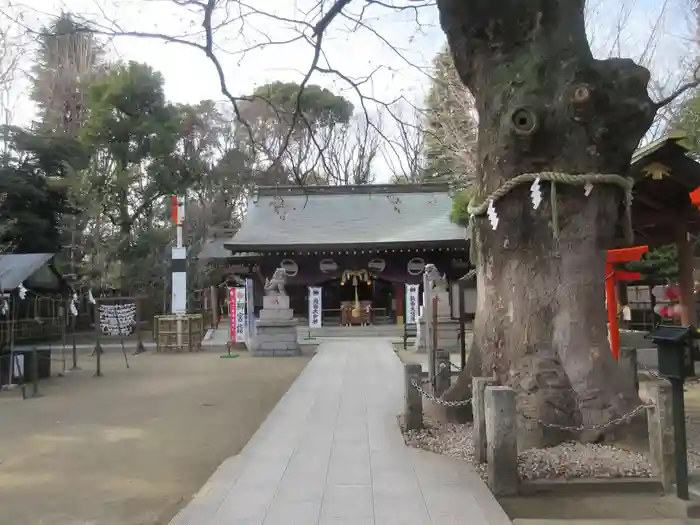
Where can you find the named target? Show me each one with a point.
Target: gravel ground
(565, 461)
(574, 460)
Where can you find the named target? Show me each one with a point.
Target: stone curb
(578, 487)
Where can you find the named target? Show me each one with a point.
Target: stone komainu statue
(275, 285)
(438, 281)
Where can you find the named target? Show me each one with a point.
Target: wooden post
(137, 320)
(98, 334)
(686, 282)
(399, 291)
(64, 321)
(214, 305)
(74, 350)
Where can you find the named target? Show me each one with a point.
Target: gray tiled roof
(18, 267)
(214, 249)
(349, 216)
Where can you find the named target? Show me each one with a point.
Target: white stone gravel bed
(575, 460)
(565, 461)
(448, 439)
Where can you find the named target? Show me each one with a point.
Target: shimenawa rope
(582, 179)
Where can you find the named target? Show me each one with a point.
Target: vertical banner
(232, 314)
(250, 310)
(315, 307)
(240, 315)
(412, 303)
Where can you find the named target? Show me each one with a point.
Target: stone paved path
(331, 453)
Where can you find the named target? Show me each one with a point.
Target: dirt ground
(131, 447)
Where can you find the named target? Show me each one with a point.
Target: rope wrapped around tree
(583, 179)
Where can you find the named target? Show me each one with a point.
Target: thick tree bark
(545, 104)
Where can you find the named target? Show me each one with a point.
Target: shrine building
(360, 244)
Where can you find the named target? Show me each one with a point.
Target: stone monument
(448, 328)
(276, 329)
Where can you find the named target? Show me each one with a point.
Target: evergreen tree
(32, 183)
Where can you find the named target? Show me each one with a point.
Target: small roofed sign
(315, 307)
(411, 303)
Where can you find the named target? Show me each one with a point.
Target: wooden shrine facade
(663, 211)
(360, 244)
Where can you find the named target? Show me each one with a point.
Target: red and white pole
(178, 303)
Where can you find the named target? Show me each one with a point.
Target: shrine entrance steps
(220, 336)
(379, 330)
(331, 452)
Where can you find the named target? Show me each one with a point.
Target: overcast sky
(392, 42)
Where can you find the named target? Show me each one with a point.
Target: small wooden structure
(179, 333)
(40, 316)
(662, 210)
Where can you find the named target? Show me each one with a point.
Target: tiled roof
(15, 268)
(214, 249)
(347, 216)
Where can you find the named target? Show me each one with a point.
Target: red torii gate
(612, 276)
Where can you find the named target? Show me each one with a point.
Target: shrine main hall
(360, 244)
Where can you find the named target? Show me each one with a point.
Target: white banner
(237, 314)
(412, 303)
(315, 307)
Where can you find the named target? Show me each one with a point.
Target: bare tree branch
(680, 91)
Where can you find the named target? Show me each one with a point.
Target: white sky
(190, 77)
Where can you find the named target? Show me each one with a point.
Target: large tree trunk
(546, 105)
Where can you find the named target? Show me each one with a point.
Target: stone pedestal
(276, 329)
(448, 328)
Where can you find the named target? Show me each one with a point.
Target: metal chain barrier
(437, 400)
(655, 375)
(602, 426)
